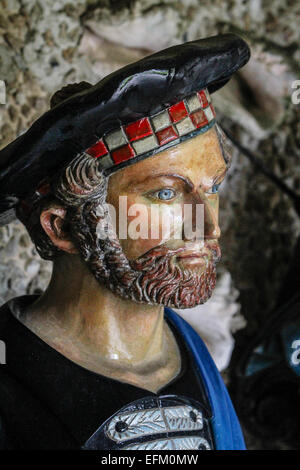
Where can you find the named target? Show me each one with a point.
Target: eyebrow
(185, 179)
(161, 175)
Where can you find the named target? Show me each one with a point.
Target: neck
(83, 319)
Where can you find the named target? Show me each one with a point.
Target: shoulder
(7, 321)
(10, 311)
(5, 316)
(5, 312)
(3, 435)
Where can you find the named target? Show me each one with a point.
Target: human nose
(210, 226)
(211, 216)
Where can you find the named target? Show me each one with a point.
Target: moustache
(210, 249)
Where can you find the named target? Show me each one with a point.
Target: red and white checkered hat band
(152, 134)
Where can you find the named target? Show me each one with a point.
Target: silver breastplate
(155, 423)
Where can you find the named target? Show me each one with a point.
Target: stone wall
(46, 44)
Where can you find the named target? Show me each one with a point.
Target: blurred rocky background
(45, 44)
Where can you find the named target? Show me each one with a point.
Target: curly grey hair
(79, 184)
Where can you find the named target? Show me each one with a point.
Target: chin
(190, 303)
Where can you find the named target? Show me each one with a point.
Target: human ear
(52, 221)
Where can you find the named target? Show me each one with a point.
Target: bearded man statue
(117, 184)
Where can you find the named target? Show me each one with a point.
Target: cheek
(148, 225)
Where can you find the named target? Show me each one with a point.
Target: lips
(213, 253)
(192, 255)
(199, 260)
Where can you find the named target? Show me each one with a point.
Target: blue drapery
(225, 425)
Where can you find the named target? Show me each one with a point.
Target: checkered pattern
(147, 135)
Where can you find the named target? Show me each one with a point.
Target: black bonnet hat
(130, 115)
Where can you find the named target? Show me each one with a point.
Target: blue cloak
(224, 422)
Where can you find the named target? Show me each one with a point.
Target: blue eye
(214, 189)
(165, 194)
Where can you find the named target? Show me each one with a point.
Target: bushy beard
(154, 278)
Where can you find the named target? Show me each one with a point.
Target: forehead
(200, 159)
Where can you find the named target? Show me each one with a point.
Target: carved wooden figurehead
(117, 184)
